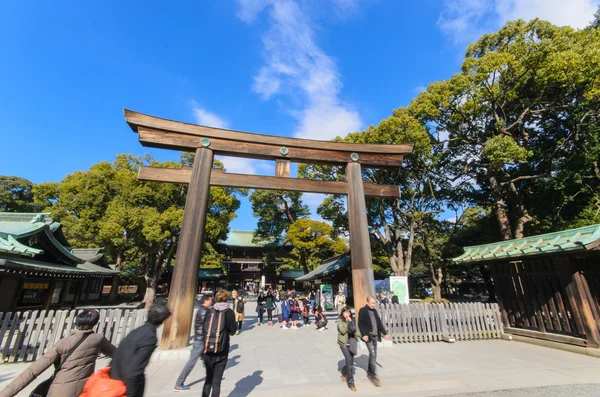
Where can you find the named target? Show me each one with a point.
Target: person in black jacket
(198, 349)
(134, 352)
(395, 300)
(215, 363)
(371, 328)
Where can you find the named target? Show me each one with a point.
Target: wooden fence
(431, 322)
(26, 336)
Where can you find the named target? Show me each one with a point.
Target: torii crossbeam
(205, 142)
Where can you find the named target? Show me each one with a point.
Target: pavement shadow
(233, 361)
(201, 380)
(233, 347)
(247, 384)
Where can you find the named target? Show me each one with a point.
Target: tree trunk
(500, 204)
(150, 293)
(437, 293)
(303, 262)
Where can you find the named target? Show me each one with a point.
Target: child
(306, 311)
(285, 313)
(320, 319)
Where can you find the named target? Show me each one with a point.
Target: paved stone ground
(304, 362)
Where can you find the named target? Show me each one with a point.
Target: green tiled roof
(581, 239)
(38, 266)
(210, 273)
(12, 246)
(328, 267)
(20, 224)
(243, 238)
(291, 273)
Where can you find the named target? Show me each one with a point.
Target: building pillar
(360, 245)
(176, 330)
(113, 297)
(77, 293)
(48, 295)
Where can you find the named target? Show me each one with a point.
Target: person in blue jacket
(285, 312)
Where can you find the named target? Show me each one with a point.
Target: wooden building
(244, 260)
(40, 270)
(547, 286)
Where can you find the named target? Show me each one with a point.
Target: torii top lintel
(168, 134)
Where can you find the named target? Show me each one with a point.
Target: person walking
(395, 300)
(133, 354)
(260, 306)
(339, 302)
(206, 303)
(347, 341)
(270, 305)
(219, 326)
(311, 297)
(371, 328)
(76, 357)
(285, 312)
(306, 311)
(239, 305)
(383, 298)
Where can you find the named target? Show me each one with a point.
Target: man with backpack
(198, 349)
(219, 325)
(239, 305)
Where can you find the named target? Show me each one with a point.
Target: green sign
(327, 296)
(399, 285)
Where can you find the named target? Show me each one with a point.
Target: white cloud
(574, 13)
(204, 117)
(294, 64)
(466, 20)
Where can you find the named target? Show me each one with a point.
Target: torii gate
(208, 141)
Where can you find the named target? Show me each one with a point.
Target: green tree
(276, 211)
(393, 224)
(522, 123)
(313, 241)
(16, 194)
(137, 222)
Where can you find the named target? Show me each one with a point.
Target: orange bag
(101, 385)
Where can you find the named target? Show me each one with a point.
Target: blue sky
(304, 68)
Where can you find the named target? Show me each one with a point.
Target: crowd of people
(217, 319)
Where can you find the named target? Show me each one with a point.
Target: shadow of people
(233, 361)
(245, 385)
(201, 380)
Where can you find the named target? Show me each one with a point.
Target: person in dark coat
(270, 304)
(260, 307)
(395, 300)
(76, 369)
(198, 349)
(215, 363)
(371, 328)
(134, 352)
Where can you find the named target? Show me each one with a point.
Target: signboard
(399, 286)
(327, 296)
(281, 281)
(262, 282)
(317, 282)
(344, 288)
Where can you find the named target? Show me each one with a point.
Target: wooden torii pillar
(208, 141)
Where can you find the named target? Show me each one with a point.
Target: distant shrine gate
(208, 141)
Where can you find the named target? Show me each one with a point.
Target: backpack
(239, 305)
(100, 384)
(215, 333)
(294, 306)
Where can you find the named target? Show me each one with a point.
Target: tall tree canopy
(392, 223)
(522, 124)
(276, 211)
(16, 194)
(138, 223)
(313, 241)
